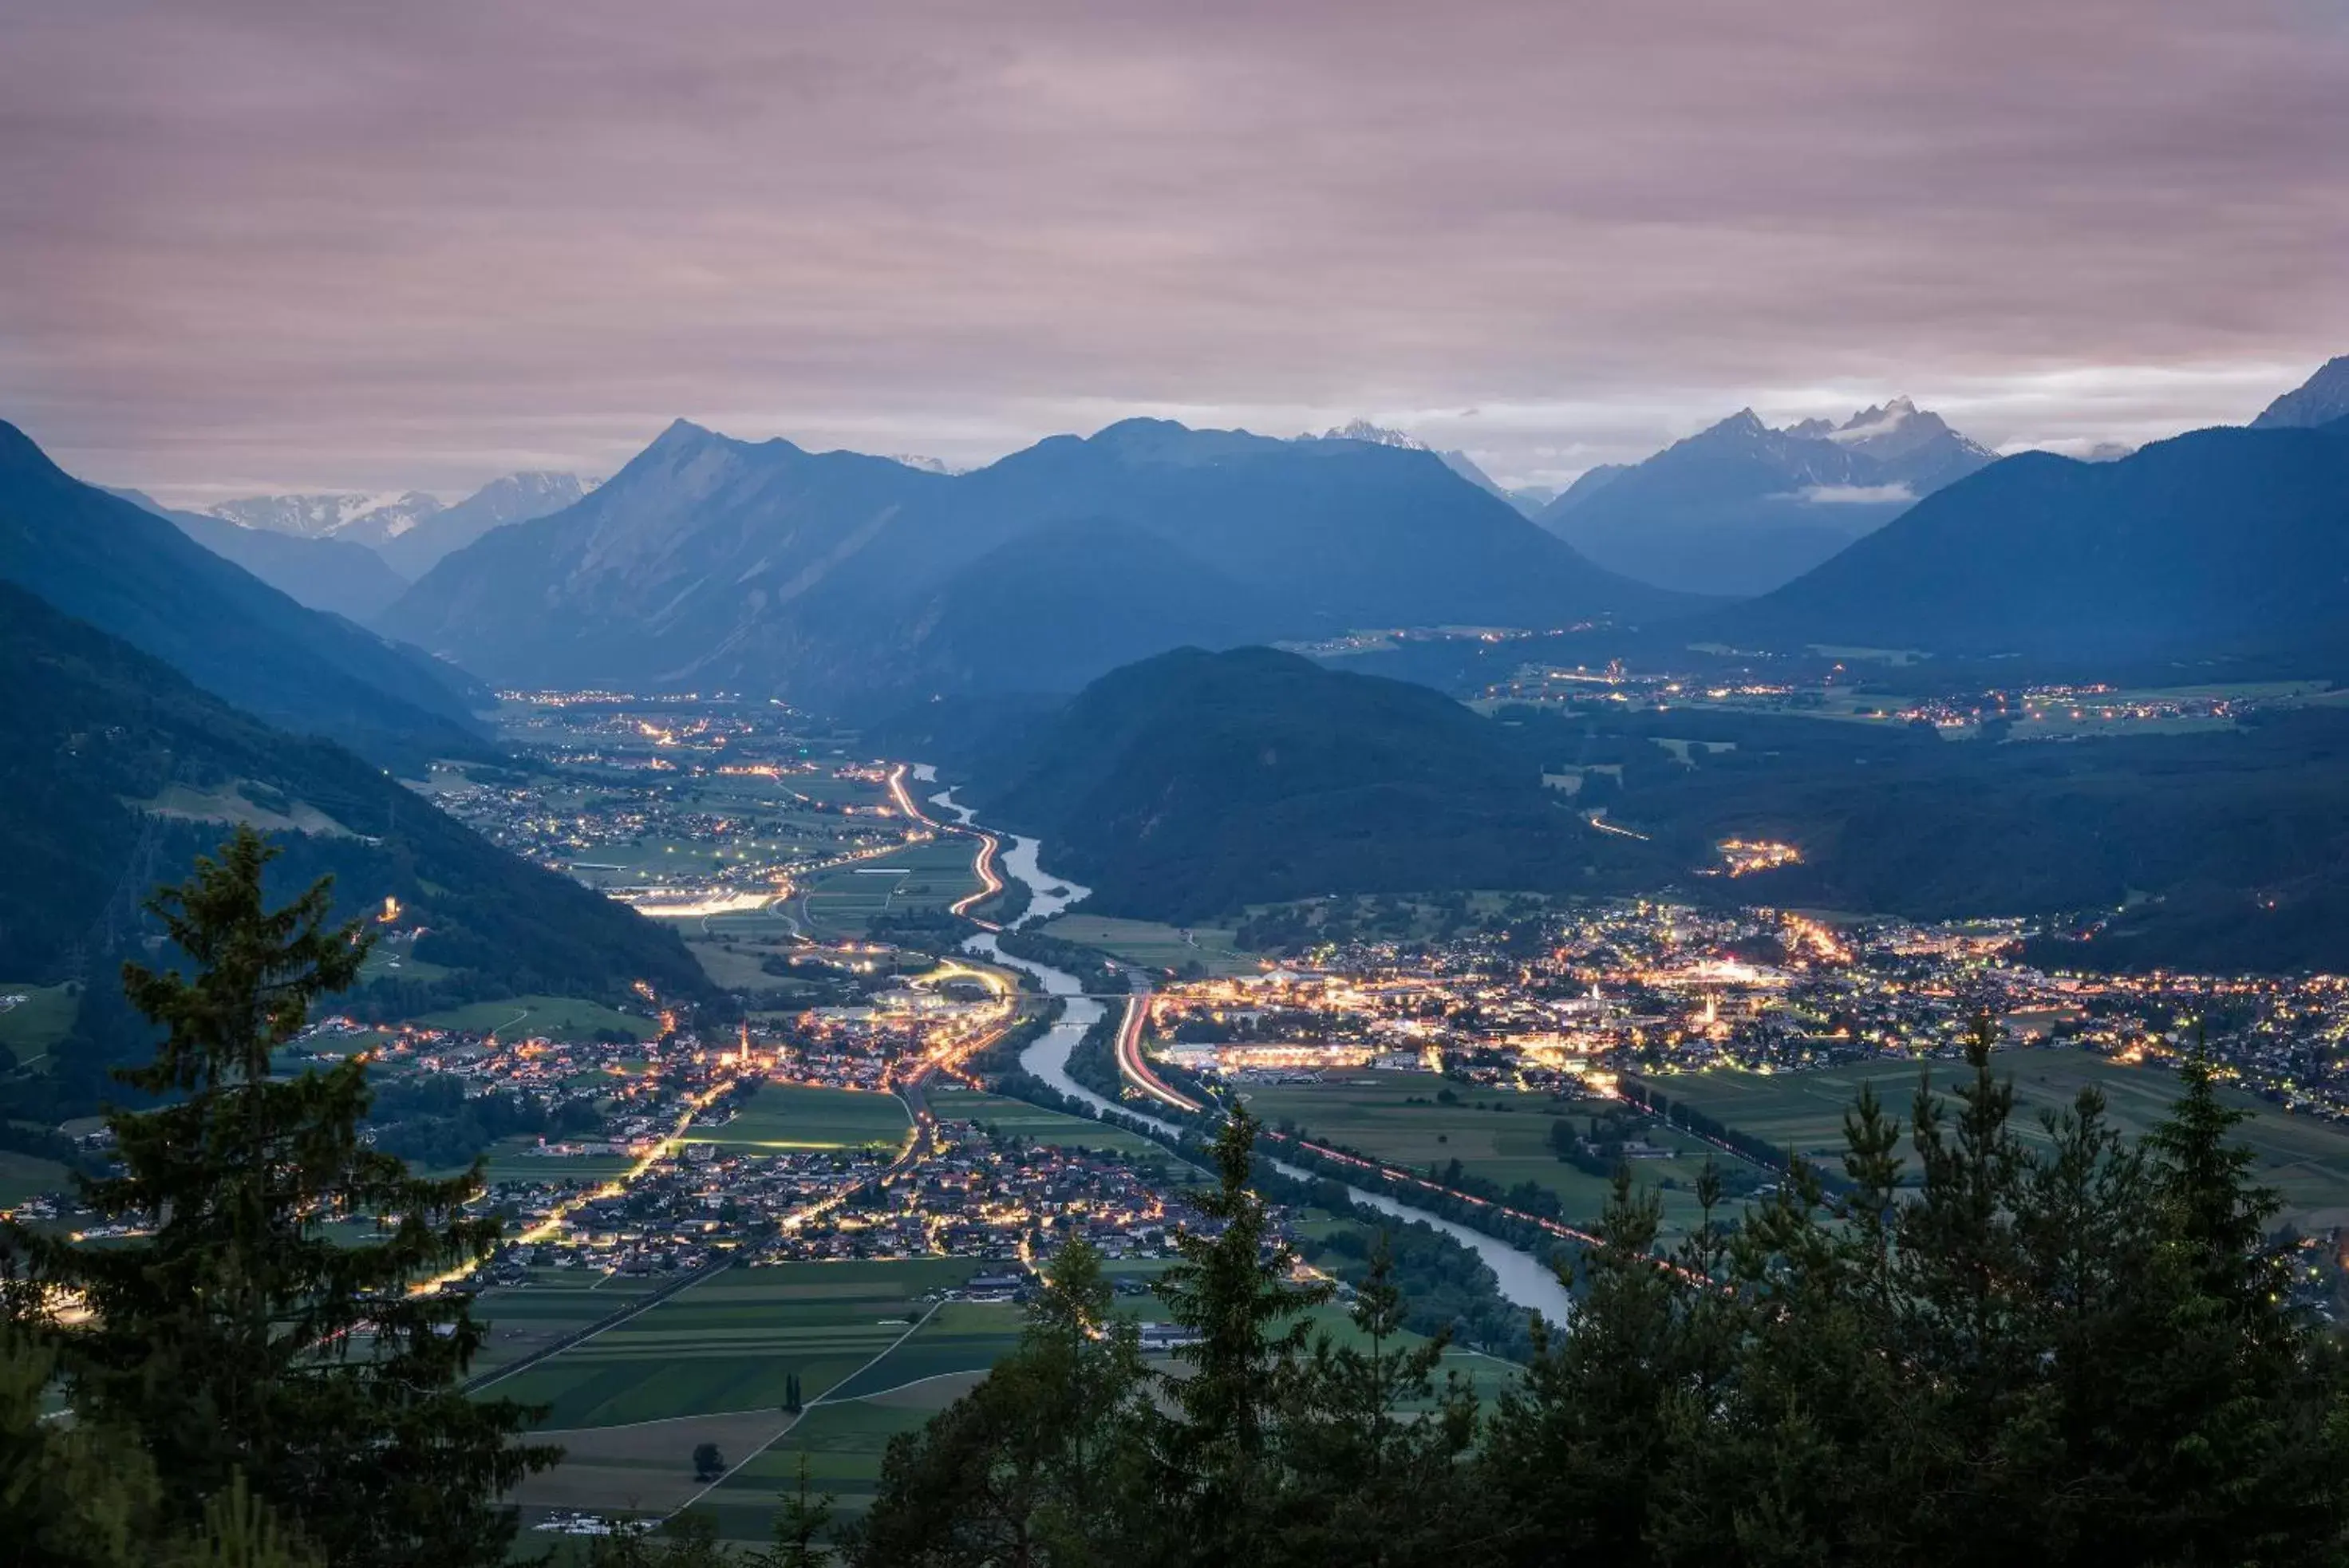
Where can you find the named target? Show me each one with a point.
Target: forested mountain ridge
(2217, 543)
(1194, 783)
(131, 574)
(118, 764)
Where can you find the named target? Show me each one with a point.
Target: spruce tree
(1038, 1463)
(2243, 1434)
(800, 1525)
(235, 1332)
(1373, 1456)
(1578, 1446)
(1236, 1289)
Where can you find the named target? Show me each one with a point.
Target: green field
(557, 1017)
(23, 1176)
(961, 1336)
(707, 1365)
(525, 1319)
(782, 1117)
(710, 1363)
(32, 1025)
(1034, 1123)
(2305, 1158)
(1373, 1112)
(728, 1343)
(843, 1444)
(1154, 946)
(843, 900)
(845, 1436)
(509, 1162)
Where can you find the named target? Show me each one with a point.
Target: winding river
(1523, 1278)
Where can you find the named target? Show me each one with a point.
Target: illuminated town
(808, 873)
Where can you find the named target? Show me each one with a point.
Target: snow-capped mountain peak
(379, 515)
(1377, 435)
(1871, 422)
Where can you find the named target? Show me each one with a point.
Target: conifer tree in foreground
(1236, 1291)
(1034, 1464)
(1373, 1452)
(240, 1342)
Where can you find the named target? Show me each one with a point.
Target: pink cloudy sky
(357, 245)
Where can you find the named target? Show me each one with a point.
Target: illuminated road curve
(1134, 1068)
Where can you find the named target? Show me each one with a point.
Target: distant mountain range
(135, 575)
(1527, 501)
(324, 573)
(1193, 784)
(1741, 507)
(837, 578)
(408, 529)
(364, 519)
(517, 498)
(2221, 542)
(118, 770)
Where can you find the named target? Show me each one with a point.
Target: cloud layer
(248, 245)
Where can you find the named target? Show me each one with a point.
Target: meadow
(919, 878)
(1497, 1134)
(525, 1319)
(509, 1160)
(1034, 1123)
(555, 1017)
(782, 1117)
(28, 1028)
(2305, 1158)
(844, 1438)
(1153, 945)
(710, 1363)
(24, 1176)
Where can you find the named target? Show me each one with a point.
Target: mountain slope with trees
(109, 562)
(1194, 783)
(2220, 543)
(336, 576)
(240, 1347)
(118, 764)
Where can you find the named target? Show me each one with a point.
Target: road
(1135, 1068)
(982, 860)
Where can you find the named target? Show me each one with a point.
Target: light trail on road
(982, 863)
(1134, 1069)
(989, 883)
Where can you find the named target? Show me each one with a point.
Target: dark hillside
(120, 770)
(120, 567)
(1193, 784)
(2222, 544)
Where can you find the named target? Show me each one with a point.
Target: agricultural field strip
(635, 1310)
(879, 1393)
(816, 1403)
